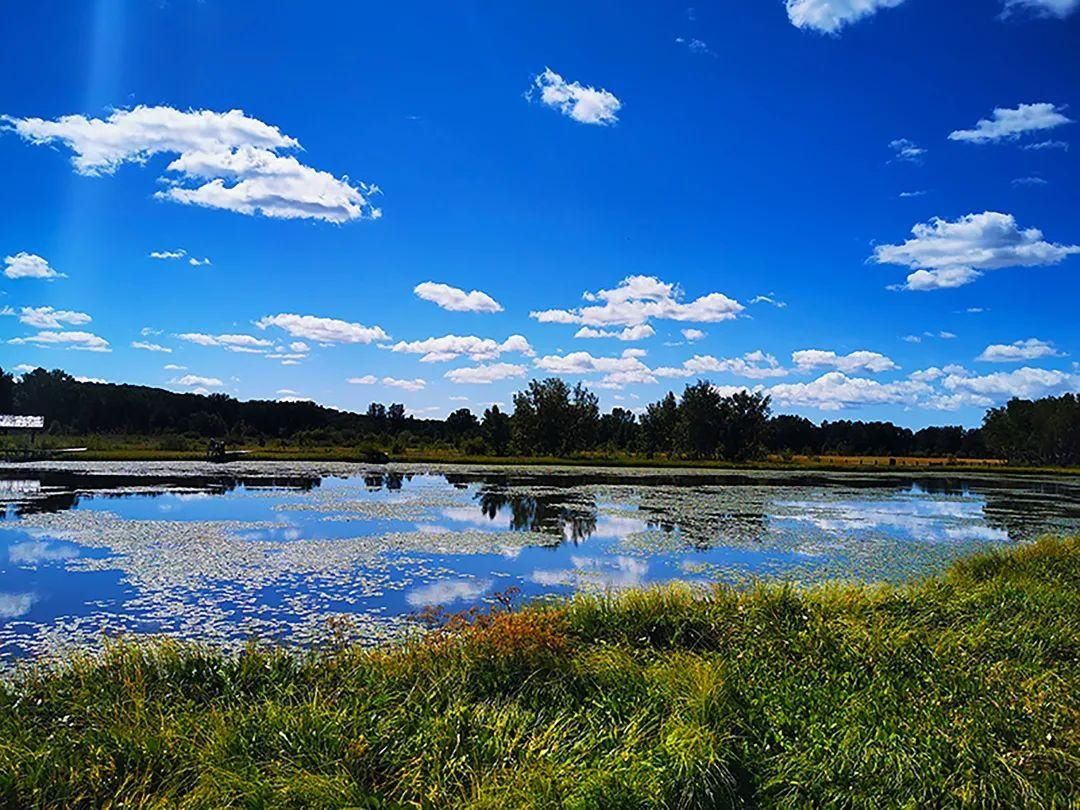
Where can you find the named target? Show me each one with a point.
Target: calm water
(225, 553)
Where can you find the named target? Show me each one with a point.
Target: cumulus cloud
(584, 104)
(835, 390)
(247, 344)
(456, 300)
(863, 360)
(1030, 349)
(618, 371)
(150, 347)
(194, 380)
(946, 254)
(48, 318)
(692, 334)
(79, 341)
(1010, 123)
(755, 365)
(203, 262)
(485, 373)
(906, 150)
(450, 347)
(628, 333)
(416, 384)
(179, 253)
(225, 160)
(323, 330)
(29, 265)
(829, 16)
(639, 299)
(1026, 383)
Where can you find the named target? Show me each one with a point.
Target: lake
(297, 552)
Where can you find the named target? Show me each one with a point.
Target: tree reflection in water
(572, 516)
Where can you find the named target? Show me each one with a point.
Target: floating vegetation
(302, 552)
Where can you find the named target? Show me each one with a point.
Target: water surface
(284, 550)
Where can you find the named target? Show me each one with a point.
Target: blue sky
(671, 164)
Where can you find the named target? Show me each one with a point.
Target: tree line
(549, 418)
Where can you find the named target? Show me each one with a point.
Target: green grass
(958, 691)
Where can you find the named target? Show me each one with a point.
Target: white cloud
(456, 300)
(768, 299)
(584, 104)
(189, 380)
(946, 254)
(953, 402)
(1030, 349)
(829, 16)
(246, 344)
(906, 194)
(80, 341)
(299, 347)
(807, 359)
(450, 347)
(1026, 382)
(49, 318)
(367, 379)
(179, 253)
(628, 333)
(618, 371)
(756, 365)
(484, 374)
(1010, 124)
(906, 150)
(28, 265)
(150, 347)
(203, 262)
(224, 160)
(323, 330)
(1029, 181)
(637, 299)
(174, 367)
(409, 385)
(835, 390)
(927, 375)
(1044, 145)
(1049, 8)
(695, 45)
(693, 334)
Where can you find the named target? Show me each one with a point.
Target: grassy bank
(958, 691)
(145, 448)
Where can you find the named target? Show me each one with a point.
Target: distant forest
(549, 418)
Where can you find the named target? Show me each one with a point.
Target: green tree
(700, 420)
(552, 419)
(7, 392)
(744, 420)
(495, 429)
(658, 426)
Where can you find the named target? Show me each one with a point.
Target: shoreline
(958, 685)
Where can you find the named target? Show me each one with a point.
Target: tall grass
(957, 691)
